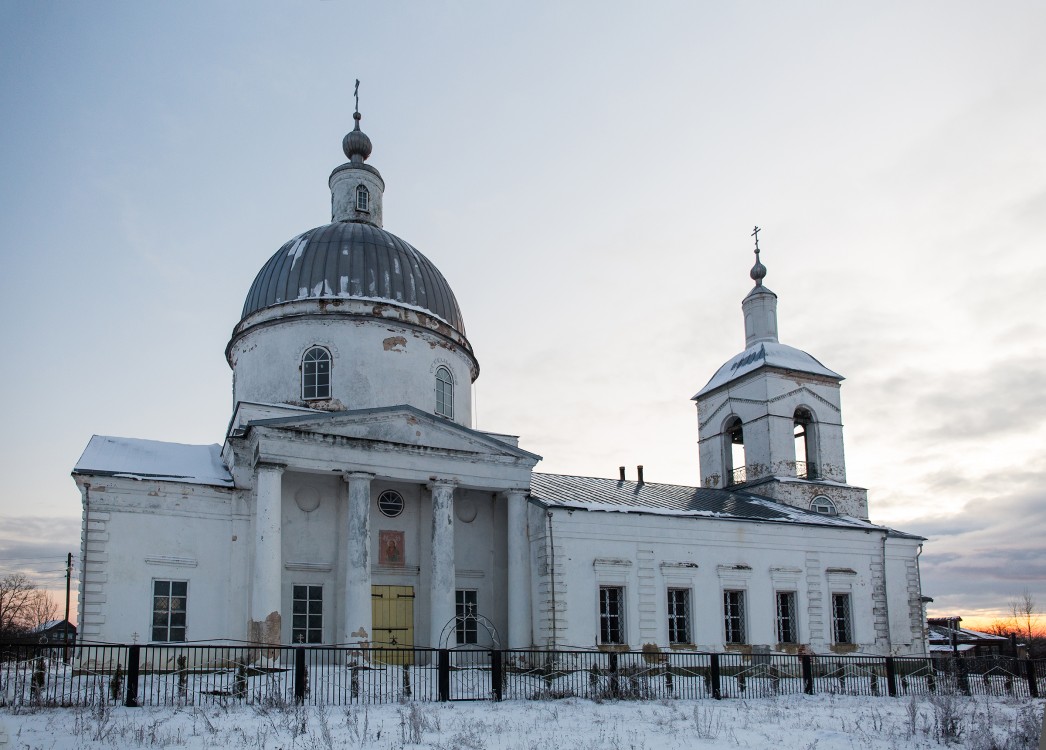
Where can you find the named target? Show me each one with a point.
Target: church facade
(352, 501)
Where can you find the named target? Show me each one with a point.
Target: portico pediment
(399, 425)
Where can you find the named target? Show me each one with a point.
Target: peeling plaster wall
(375, 363)
(649, 554)
(143, 531)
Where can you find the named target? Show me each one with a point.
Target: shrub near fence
(191, 674)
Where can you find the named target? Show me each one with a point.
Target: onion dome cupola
(348, 315)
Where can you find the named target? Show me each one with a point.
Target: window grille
(679, 616)
(390, 503)
(787, 627)
(362, 198)
(611, 615)
(734, 616)
(169, 600)
(842, 624)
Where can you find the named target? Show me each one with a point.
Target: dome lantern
(357, 189)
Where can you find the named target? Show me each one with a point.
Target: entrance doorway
(392, 610)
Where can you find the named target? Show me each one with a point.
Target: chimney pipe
(621, 471)
(639, 471)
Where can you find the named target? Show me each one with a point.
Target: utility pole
(68, 581)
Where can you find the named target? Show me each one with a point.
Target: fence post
(299, 674)
(962, 674)
(891, 677)
(496, 674)
(133, 668)
(806, 664)
(1033, 683)
(615, 684)
(717, 692)
(443, 675)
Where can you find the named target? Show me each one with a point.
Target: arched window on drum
(316, 374)
(444, 393)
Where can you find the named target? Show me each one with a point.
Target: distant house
(947, 636)
(53, 631)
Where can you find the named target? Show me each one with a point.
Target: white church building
(352, 501)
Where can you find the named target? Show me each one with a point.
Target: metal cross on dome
(755, 232)
(356, 93)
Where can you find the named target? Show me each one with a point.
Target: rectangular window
(466, 626)
(787, 627)
(611, 614)
(842, 625)
(679, 616)
(734, 616)
(307, 614)
(169, 599)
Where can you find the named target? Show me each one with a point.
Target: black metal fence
(191, 674)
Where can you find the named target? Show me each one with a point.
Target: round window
(390, 503)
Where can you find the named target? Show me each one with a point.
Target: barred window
(611, 614)
(787, 627)
(734, 616)
(169, 600)
(307, 615)
(466, 627)
(842, 623)
(679, 616)
(362, 198)
(444, 393)
(316, 374)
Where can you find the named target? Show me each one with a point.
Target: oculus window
(316, 374)
(390, 503)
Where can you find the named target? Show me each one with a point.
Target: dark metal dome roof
(353, 260)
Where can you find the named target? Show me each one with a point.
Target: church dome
(353, 260)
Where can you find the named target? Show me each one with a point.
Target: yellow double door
(392, 612)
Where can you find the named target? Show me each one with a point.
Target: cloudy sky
(586, 176)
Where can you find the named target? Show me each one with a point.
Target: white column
(357, 615)
(518, 571)
(442, 583)
(266, 584)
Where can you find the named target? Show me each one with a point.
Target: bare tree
(23, 606)
(1022, 608)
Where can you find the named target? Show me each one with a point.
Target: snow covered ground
(824, 722)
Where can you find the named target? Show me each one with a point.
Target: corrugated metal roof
(591, 493)
(351, 259)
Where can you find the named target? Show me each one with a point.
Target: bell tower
(770, 419)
